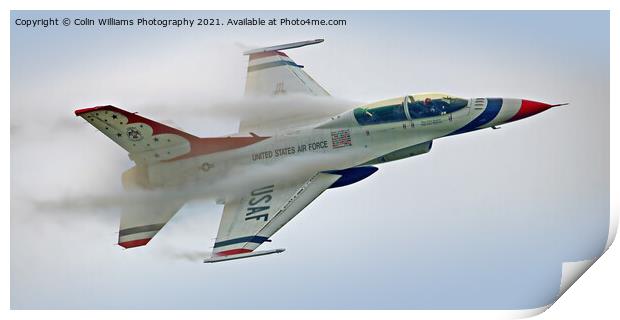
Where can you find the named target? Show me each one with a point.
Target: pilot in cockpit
(428, 103)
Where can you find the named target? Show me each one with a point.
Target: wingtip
(283, 46)
(219, 258)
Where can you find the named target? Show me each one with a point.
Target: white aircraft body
(334, 152)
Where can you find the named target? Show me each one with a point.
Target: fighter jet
(332, 152)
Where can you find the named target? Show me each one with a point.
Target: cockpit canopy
(408, 108)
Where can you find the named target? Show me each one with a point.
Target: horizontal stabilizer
(241, 255)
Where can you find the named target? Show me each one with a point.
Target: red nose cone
(530, 108)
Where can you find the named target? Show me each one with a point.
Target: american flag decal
(341, 138)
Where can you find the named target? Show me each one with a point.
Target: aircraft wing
(271, 72)
(250, 220)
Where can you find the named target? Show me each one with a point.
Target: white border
(591, 296)
(311, 5)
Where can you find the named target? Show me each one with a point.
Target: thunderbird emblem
(133, 134)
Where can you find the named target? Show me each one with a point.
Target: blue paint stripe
(351, 175)
(272, 64)
(494, 105)
(255, 239)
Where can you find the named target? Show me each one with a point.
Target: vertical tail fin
(148, 141)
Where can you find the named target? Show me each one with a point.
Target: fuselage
(380, 132)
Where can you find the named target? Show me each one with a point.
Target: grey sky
(483, 221)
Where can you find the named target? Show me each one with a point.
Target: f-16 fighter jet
(329, 153)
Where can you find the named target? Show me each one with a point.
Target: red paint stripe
(260, 55)
(134, 243)
(85, 110)
(157, 127)
(233, 251)
(529, 108)
(212, 145)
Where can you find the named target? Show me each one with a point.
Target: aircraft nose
(529, 108)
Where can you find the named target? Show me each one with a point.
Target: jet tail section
(149, 142)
